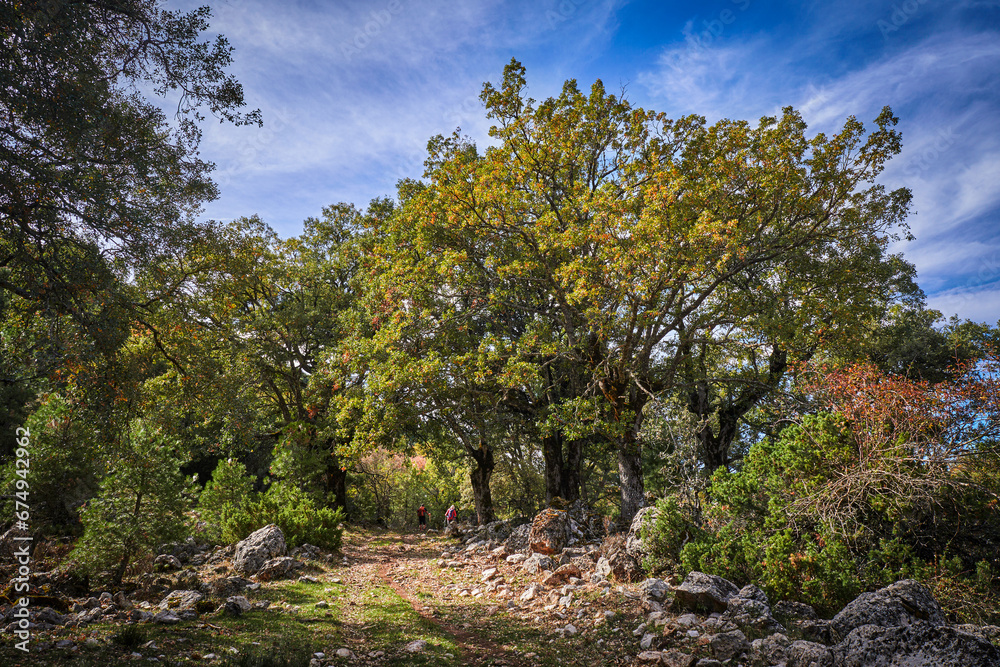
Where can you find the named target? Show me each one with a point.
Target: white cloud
(976, 304)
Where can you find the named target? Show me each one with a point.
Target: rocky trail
(546, 593)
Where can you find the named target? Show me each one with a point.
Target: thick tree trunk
(572, 471)
(716, 448)
(633, 490)
(563, 462)
(336, 482)
(480, 477)
(552, 451)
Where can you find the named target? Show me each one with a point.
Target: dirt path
(472, 643)
(484, 628)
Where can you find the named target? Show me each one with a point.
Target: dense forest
(602, 306)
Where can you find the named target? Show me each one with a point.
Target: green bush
(141, 503)
(230, 505)
(666, 536)
(779, 523)
(64, 467)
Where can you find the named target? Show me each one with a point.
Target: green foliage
(763, 525)
(131, 636)
(233, 510)
(283, 657)
(64, 464)
(666, 536)
(140, 504)
(223, 496)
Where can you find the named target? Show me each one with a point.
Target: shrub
(666, 536)
(141, 504)
(64, 471)
(230, 504)
(224, 495)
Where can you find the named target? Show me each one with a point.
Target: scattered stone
(649, 657)
(701, 591)
(344, 652)
(655, 589)
(675, 658)
(686, 621)
(240, 601)
(538, 562)
(166, 617)
(898, 604)
(277, 568)
(633, 541)
(178, 600)
(729, 645)
(225, 587)
(258, 548)
(416, 646)
(921, 643)
(166, 563)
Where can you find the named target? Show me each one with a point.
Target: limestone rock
(621, 566)
(166, 563)
(788, 611)
(538, 562)
(654, 589)
(166, 617)
(700, 591)
(752, 615)
(562, 575)
(240, 602)
(178, 600)
(675, 658)
(260, 547)
(898, 604)
(549, 531)
(809, 654)
(416, 646)
(729, 645)
(633, 541)
(518, 540)
(770, 650)
(277, 568)
(917, 644)
(224, 588)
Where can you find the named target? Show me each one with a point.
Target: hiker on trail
(422, 517)
(451, 516)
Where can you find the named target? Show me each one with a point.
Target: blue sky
(352, 91)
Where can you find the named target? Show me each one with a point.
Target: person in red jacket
(422, 517)
(451, 516)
